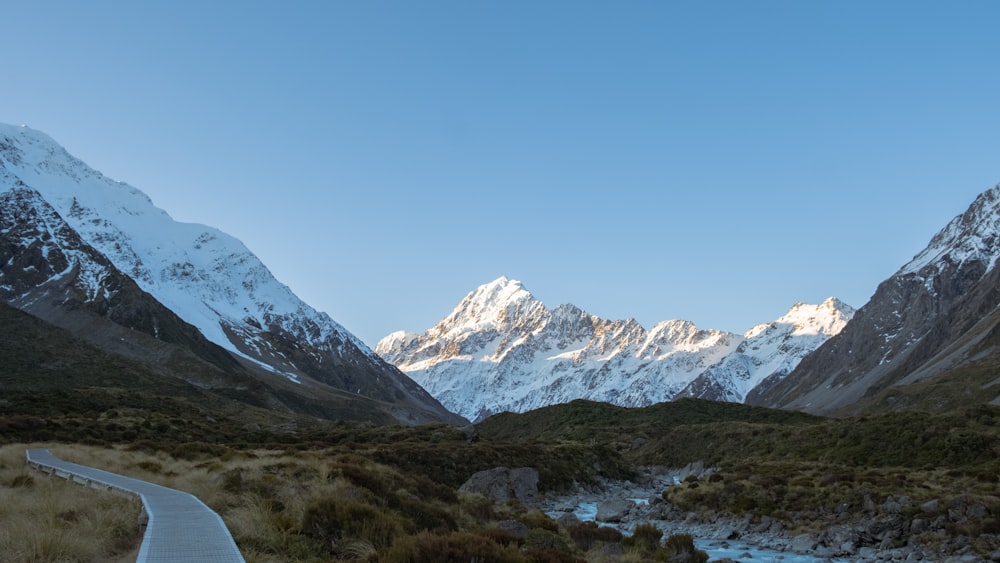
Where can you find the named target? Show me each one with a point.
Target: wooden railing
(179, 527)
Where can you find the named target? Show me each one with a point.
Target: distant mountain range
(501, 349)
(929, 339)
(96, 257)
(191, 310)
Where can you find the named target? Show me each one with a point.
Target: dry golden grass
(280, 506)
(45, 519)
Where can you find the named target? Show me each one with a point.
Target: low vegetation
(43, 519)
(281, 506)
(312, 491)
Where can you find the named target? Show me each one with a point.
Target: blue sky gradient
(711, 161)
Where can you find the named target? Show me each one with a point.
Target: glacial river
(717, 549)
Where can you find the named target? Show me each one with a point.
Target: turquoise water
(735, 550)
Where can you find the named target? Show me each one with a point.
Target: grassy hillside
(295, 487)
(62, 385)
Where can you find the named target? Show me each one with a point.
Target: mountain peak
(971, 236)
(915, 342)
(827, 318)
(500, 349)
(502, 288)
(489, 305)
(203, 276)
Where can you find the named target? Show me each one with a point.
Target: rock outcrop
(503, 484)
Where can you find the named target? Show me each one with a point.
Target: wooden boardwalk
(180, 528)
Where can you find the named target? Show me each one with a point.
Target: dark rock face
(502, 484)
(47, 268)
(98, 258)
(929, 322)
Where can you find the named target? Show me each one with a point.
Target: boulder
(803, 543)
(503, 484)
(613, 510)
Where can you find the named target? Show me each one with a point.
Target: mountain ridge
(914, 343)
(64, 218)
(502, 349)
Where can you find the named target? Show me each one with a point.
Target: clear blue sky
(714, 161)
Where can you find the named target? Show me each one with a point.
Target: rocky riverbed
(880, 533)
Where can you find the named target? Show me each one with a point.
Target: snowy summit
(501, 349)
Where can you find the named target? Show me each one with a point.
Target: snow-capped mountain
(926, 337)
(62, 220)
(771, 351)
(501, 349)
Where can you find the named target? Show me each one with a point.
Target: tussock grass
(49, 519)
(357, 492)
(280, 506)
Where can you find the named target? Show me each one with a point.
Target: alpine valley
(168, 352)
(502, 350)
(96, 258)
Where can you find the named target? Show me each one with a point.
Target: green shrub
(477, 506)
(500, 536)
(536, 519)
(679, 548)
(423, 515)
(645, 539)
(545, 540)
(332, 520)
(456, 547)
(586, 534)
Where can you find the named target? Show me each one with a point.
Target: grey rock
(503, 484)
(892, 506)
(613, 510)
(803, 543)
(976, 511)
(866, 553)
(931, 505)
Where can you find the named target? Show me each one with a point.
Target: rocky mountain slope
(770, 351)
(501, 349)
(94, 255)
(928, 337)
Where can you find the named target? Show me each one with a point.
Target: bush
(536, 519)
(424, 515)
(22, 481)
(332, 520)
(500, 536)
(544, 540)
(456, 547)
(645, 539)
(586, 534)
(680, 548)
